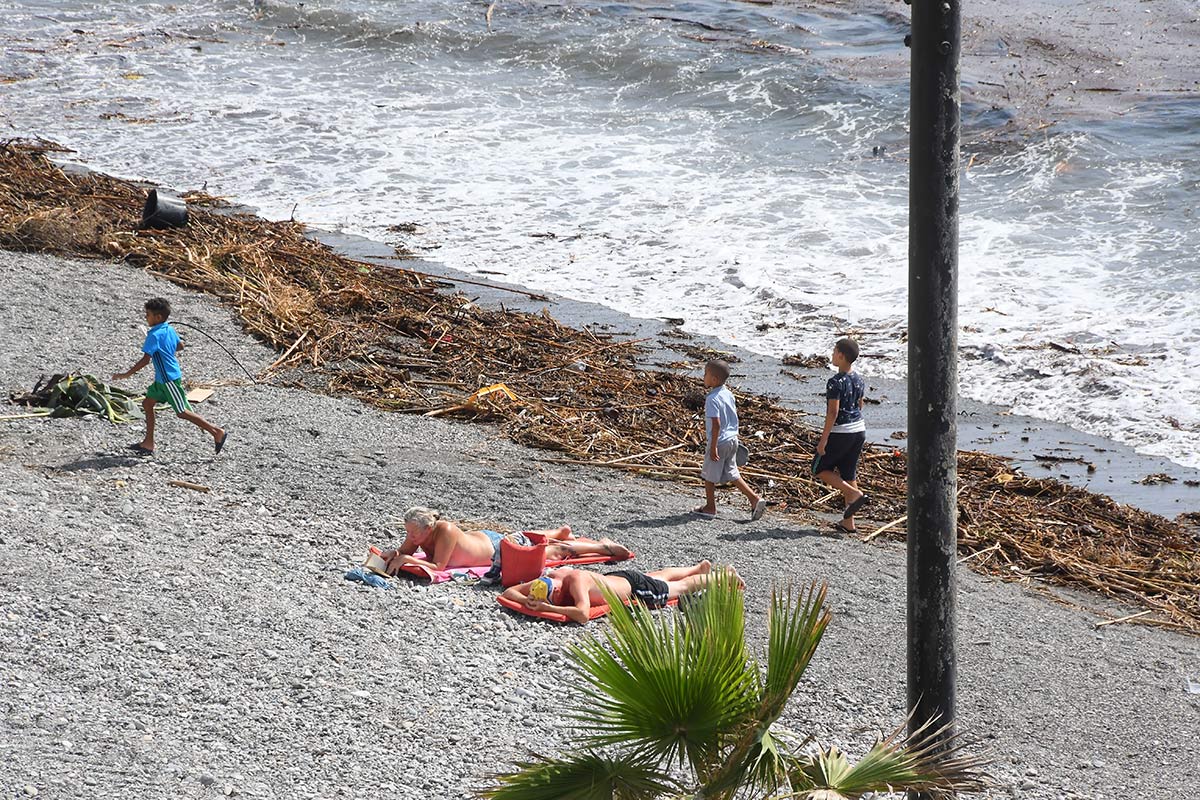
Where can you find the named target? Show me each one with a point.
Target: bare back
(593, 580)
(450, 546)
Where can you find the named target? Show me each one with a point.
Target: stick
(195, 487)
(996, 546)
(651, 453)
(1124, 619)
(531, 295)
(889, 526)
(290, 350)
(896, 522)
(585, 463)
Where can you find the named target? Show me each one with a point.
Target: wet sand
(988, 428)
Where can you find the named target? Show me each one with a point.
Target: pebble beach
(166, 642)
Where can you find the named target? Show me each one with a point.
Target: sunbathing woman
(446, 545)
(573, 592)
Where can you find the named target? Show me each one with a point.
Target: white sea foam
(678, 177)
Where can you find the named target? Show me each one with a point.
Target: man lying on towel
(573, 592)
(447, 546)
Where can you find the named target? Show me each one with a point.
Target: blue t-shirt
(720, 404)
(161, 341)
(848, 389)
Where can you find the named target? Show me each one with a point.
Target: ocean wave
(681, 171)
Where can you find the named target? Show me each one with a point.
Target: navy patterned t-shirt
(848, 389)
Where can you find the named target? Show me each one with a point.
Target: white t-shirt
(720, 404)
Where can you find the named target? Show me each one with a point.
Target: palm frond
(766, 768)
(929, 760)
(671, 687)
(584, 776)
(797, 623)
(717, 616)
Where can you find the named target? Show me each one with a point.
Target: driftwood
(396, 339)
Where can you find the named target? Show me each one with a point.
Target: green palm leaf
(928, 760)
(797, 623)
(795, 628)
(584, 776)
(670, 688)
(681, 691)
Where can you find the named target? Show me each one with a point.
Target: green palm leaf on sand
(674, 706)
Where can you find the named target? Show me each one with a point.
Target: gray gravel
(162, 642)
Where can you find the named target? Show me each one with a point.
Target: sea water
(696, 160)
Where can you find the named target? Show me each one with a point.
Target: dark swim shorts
(841, 453)
(651, 592)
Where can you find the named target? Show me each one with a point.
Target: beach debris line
(76, 395)
(390, 337)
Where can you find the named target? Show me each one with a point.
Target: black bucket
(163, 211)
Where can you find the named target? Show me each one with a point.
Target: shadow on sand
(101, 462)
(777, 534)
(672, 521)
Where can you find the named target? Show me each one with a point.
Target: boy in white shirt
(720, 451)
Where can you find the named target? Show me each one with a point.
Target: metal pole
(932, 360)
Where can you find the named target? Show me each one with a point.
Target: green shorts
(170, 393)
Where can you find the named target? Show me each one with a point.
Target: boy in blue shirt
(844, 434)
(720, 451)
(162, 343)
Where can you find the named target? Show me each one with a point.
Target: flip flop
(853, 508)
(138, 450)
(221, 442)
(760, 508)
(703, 514)
(840, 528)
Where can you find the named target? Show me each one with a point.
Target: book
(375, 562)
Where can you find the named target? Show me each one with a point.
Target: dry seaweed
(393, 338)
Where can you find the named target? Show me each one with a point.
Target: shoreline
(983, 427)
(386, 326)
(165, 641)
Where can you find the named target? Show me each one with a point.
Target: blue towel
(369, 578)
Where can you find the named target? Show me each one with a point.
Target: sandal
(852, 508)
(840, 528)
(700, 512)
(760, 508)
(138, 450)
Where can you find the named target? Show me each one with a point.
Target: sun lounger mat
(443, 575)
(597, 610)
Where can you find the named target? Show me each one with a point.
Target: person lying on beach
(572, 592)
(446, 545)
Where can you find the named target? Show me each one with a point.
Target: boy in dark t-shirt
(844, 434)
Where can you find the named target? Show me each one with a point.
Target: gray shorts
(724, 469)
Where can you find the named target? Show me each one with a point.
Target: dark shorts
(841, 454)
(651, 592)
